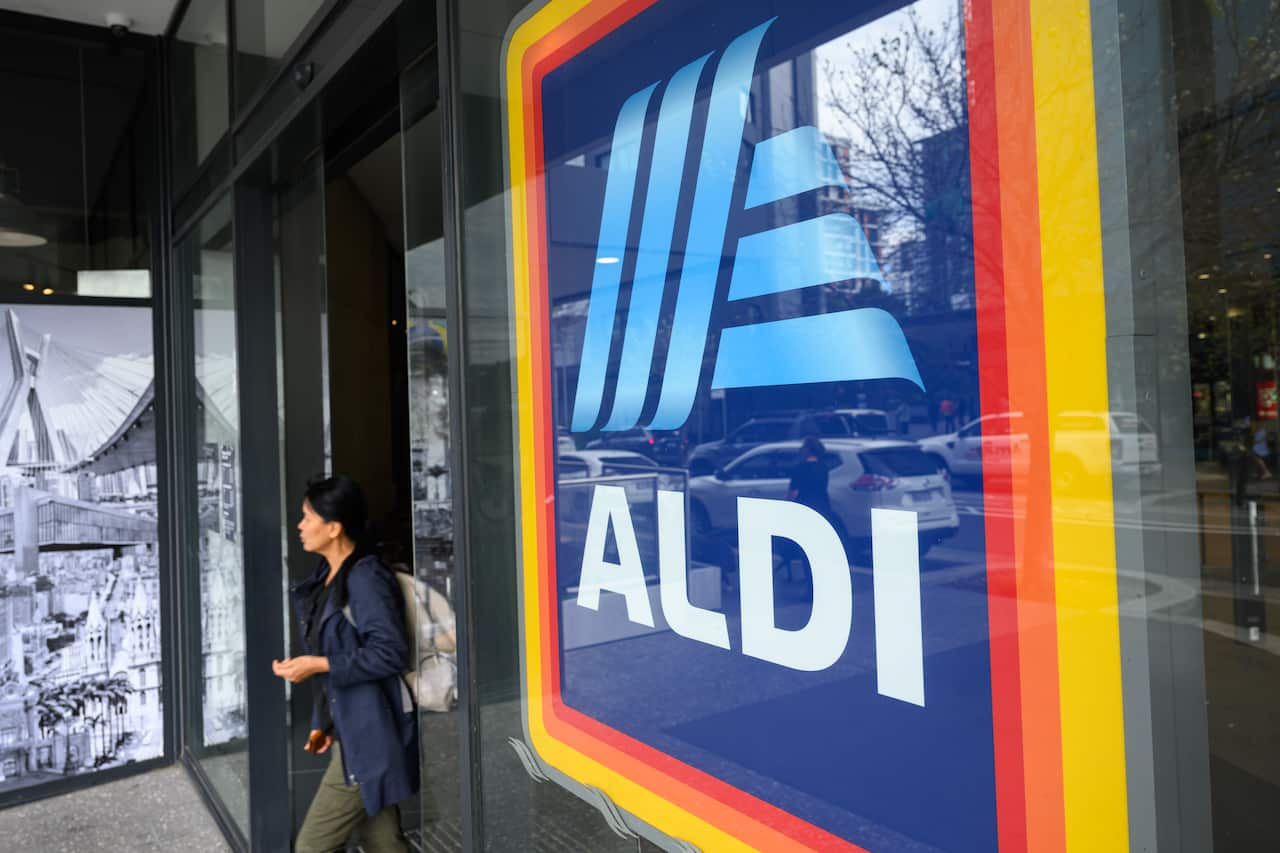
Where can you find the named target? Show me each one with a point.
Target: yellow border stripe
(1076, 372)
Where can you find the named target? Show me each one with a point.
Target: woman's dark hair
(340, 498)
(811, 446)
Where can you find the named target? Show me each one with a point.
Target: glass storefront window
(1225, 71)
(221, 740)
(264, 33)
(200, 100)
(75, 190)
(1011, 269)
(785, 223)
(430, 435)
(84, 649)
(518, 809)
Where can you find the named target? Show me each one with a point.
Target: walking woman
(352, 620)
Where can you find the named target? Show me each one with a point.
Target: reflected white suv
(864, 474)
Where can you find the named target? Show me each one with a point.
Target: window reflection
(201, 106)
(1225, 61)
(264, 33)
(793, 497)
(223, 735)
(431, 455)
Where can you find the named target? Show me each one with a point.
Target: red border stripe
(993, 365)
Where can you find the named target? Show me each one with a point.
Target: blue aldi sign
(760, 427)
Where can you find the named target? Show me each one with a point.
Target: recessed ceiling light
(19, 227)
(28, 286)
(1202, 335)
(48, 291)
(1204, 276)
(607, 259)
(13, 239)
(1222, 290)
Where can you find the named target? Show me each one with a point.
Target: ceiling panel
(149, 17)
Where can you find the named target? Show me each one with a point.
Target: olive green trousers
(337, 811)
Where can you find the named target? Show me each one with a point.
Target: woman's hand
(300, 668)
(318, 742)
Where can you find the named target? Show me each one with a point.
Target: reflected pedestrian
(351, 616)
(947, 408)
(809, 486)
(903, 415)
(1260, 457)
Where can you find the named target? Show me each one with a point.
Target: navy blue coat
(372, 709)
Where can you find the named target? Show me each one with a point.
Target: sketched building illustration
(80, 632)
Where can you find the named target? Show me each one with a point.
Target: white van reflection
(863, 474)
(1085, 445)
(1000, 437)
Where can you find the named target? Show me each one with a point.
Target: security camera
(119, 24)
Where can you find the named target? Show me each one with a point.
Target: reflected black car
(663, 448)
(707, 458)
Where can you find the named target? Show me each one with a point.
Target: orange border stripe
(1033, 533)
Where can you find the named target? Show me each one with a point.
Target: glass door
(218, 724)
(303, 403)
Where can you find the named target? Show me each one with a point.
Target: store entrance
(367, 359)
(362, 366)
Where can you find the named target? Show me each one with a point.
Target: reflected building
(222, 647)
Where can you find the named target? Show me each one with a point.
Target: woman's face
(315, 533)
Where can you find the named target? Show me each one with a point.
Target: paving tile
(159, 810)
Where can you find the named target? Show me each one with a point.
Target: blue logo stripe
(654, 254)
(719, 162)
(619, 191)
(802, 254)
(791, 163)
(865, 343)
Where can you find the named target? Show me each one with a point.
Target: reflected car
(664, 448)
(842, 423)
(1085, 444)
(709, 456)
(999, 436)
(586, 464)
(864, 474)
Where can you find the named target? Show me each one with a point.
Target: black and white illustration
(80, 630)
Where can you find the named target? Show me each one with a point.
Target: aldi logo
(731, 643)
(844, 345)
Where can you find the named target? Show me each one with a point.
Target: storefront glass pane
(430, 446)
(885, 398)
(752, 485)
(198, 63)
(264, 33)
(223, 731)
(76, 187)
(1226, 72)
(516, 807)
